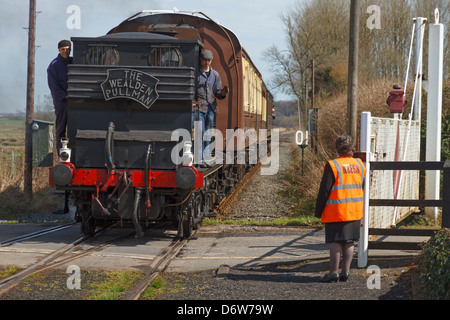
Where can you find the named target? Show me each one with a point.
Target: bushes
(434, 267)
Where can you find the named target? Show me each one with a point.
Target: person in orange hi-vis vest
(340, 206)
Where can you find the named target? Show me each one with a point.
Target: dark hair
(344, 145)
(64, 43)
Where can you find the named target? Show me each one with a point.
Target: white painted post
(434, 111)
(363, 246)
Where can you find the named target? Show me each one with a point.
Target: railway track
(158, 265)
(227, 202)
(55, 258)
(73, 251)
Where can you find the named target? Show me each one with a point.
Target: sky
(257, 24)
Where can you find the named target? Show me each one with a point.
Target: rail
(158, 265)
(51, 260)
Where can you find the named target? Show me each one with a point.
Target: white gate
(387, 143)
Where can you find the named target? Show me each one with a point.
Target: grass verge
(9, 271)
(293, 221)
(114, 284)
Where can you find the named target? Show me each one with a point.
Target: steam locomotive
(129, 153)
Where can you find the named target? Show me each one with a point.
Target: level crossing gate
(392, 148)
(387, 143)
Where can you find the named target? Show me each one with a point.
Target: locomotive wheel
(191, 215)
(206, 198)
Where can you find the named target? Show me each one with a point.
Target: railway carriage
(130, 91)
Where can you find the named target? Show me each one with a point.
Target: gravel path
(284, 282)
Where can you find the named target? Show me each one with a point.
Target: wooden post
(352, 99)
(316, 113)
(28, 165)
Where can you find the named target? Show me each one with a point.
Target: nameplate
(130, 84)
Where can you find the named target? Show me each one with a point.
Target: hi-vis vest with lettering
(345, 202)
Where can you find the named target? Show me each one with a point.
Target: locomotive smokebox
(185, 177)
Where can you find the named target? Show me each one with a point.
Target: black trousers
(61, 121)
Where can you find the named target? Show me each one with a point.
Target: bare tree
(314, 30)
(318, 29)
(385, 50)
(426, 9)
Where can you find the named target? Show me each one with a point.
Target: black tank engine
(131, 97)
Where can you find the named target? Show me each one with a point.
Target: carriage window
(102, 55)
(165, 57)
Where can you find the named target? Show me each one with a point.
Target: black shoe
(343, 276)
(328, 278)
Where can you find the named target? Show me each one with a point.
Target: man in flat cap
(57, 82)
(209, 87)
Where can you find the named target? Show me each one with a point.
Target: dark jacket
(57, 78)
(326, 184)
(208, 89)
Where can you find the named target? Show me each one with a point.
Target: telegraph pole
(352, 100)
(28, 165)
(313, 106)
